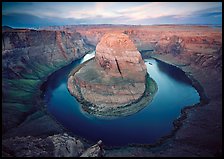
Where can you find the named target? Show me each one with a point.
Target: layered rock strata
(112, 81)
(23, 50)
(29, 56)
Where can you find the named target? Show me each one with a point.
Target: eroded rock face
(112, 83)
(30, 55)
(94, 151)
(58, 145)
(24, 50)
(118, 56)
(66, 146)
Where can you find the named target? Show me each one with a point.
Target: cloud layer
(35, 14)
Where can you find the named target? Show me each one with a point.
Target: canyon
(29, 56)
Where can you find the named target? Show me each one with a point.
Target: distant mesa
(114, 83)
(4, 28)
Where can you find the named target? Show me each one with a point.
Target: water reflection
(173, 72)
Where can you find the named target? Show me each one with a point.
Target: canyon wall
(197, 45)
(28, 56)
(22, 49)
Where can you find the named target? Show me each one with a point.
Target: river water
(147, 126)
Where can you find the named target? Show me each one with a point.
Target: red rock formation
(60, 44)
(118, 56)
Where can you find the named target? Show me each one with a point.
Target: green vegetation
(17, 106)
(34, 116)
(22, 95)
(20, 90)
(150, 85)
(24, 90)
(40, 71)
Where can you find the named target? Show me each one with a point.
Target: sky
(38, 14)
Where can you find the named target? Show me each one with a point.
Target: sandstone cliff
(197, 45)
(22, 49)
(28, 56)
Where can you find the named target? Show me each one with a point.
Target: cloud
(27, 20)
(102, 9)
(164, 9)
(43, 14)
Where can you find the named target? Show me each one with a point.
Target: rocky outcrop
(110, 84)
(28, 147)
(170, 45)
(60, 145)
(94, 151)
(66, 146)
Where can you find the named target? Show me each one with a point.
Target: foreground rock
(114, 82)
(60, 145)
(94, 151)
(66, 146)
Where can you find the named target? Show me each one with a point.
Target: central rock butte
(115, 82)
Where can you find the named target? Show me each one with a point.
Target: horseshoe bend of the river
(175, 91)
